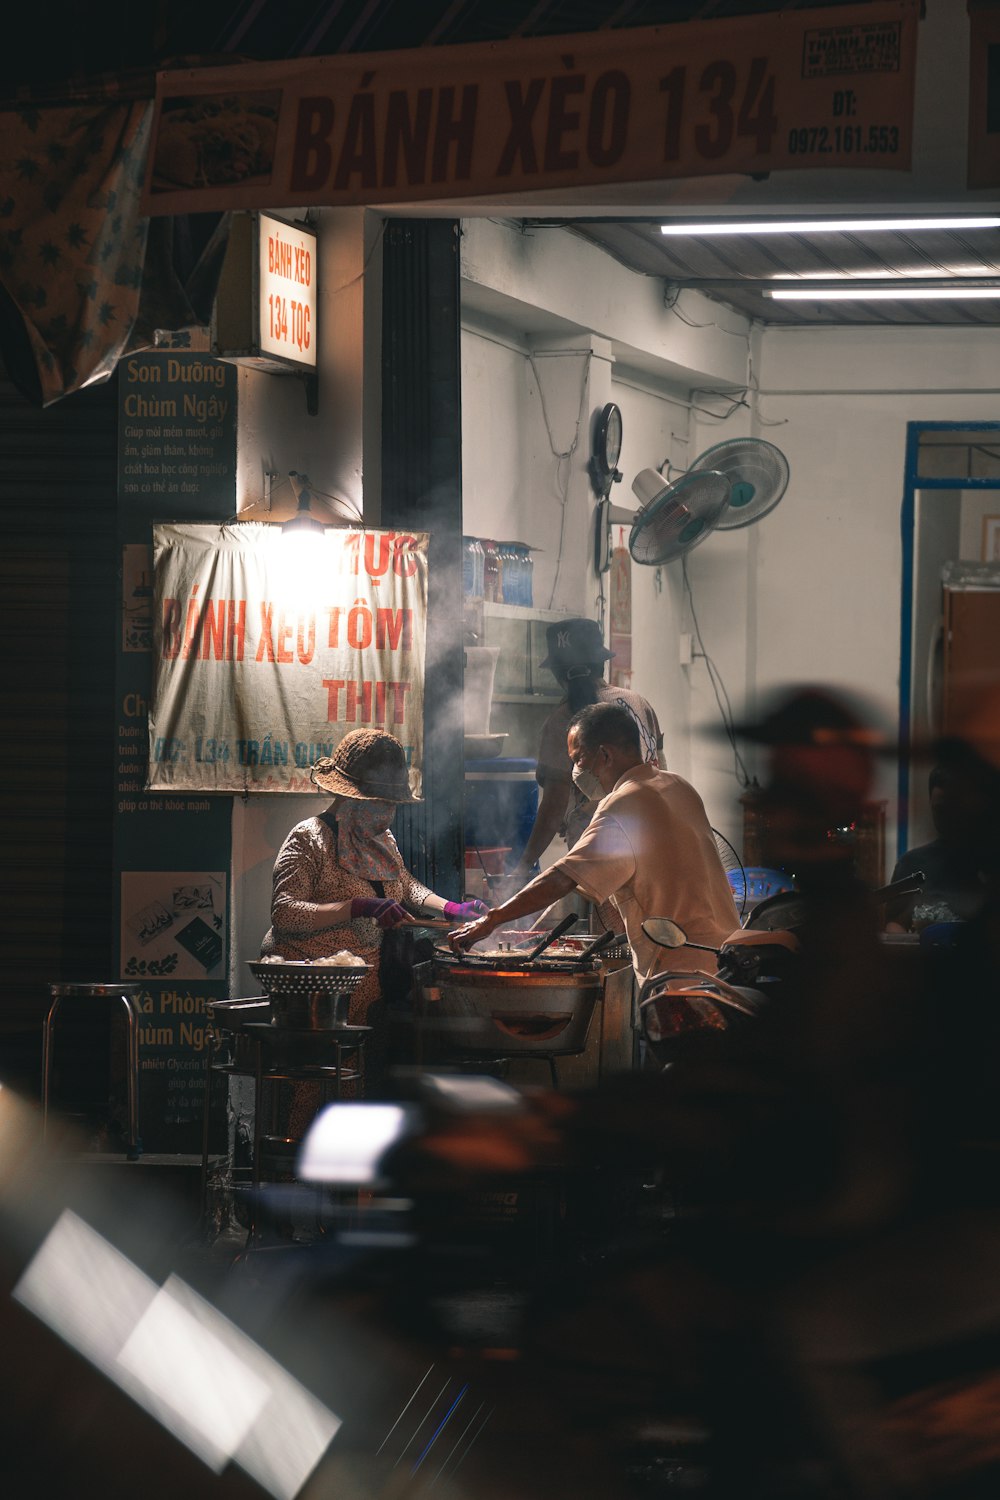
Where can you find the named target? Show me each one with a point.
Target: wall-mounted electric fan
(676, 515)
(730, 485)
(758, 477)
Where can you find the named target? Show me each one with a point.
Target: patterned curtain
(72, 240)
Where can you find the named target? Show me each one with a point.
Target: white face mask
(587, 784)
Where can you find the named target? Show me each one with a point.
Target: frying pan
(509, 961)
(550, 937)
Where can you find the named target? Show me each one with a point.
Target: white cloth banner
(269, 646)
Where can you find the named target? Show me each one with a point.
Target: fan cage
(679, 518)
(732, 864)
(750, 463)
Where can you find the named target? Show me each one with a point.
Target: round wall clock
(608, 441)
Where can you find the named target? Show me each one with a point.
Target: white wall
(526, 405)
(552, 330)
(828, 565)
(276, 432)
(655, 424)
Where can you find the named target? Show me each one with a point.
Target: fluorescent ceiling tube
(904, 274)
(824, 226)
(883, 293)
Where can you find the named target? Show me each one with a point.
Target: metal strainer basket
(311, 997)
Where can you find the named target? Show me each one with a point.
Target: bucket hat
(368, 765)
(574, 643)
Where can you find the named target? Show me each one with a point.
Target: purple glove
(465, 909)
(381, 910)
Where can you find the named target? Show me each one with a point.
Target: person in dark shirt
(576, 658)
(953, 887)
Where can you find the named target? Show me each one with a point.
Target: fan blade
(757, 472)
(677, 516)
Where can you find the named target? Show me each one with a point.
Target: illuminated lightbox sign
(265, 308)
(286, 290)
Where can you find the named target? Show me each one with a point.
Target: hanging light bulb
(303, 519)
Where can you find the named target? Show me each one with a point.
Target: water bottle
(492, 575)
(471, 568)
(509, 572)
(527, 569)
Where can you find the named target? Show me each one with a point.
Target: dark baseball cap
(575, 643)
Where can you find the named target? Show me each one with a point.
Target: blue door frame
(911, 483)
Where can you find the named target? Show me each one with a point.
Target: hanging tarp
(748, 94)
(270, 646)
(72, 238)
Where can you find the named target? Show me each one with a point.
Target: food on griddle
(341, 960)
(554, 950)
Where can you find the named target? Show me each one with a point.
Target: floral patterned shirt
(306, 873)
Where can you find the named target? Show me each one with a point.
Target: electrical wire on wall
(743, 778)
(353, 280)
(563, 457)
(745, 396)
(350, 505)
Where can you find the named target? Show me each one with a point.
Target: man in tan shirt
(649, 849)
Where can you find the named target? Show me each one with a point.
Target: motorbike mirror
(664, 932)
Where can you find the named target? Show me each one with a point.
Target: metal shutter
(58, 569)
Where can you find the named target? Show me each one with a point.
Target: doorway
(950, 610)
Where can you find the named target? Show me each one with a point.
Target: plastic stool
(115, 990)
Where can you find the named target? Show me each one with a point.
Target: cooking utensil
(908, 885)
(506, 963)
(550, 937)
(606, 940)
(485, 1009)
(515, 961)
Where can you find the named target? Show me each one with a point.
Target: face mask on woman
(362, 845)
(372, 818)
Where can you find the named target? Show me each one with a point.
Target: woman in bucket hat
(339, 878)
